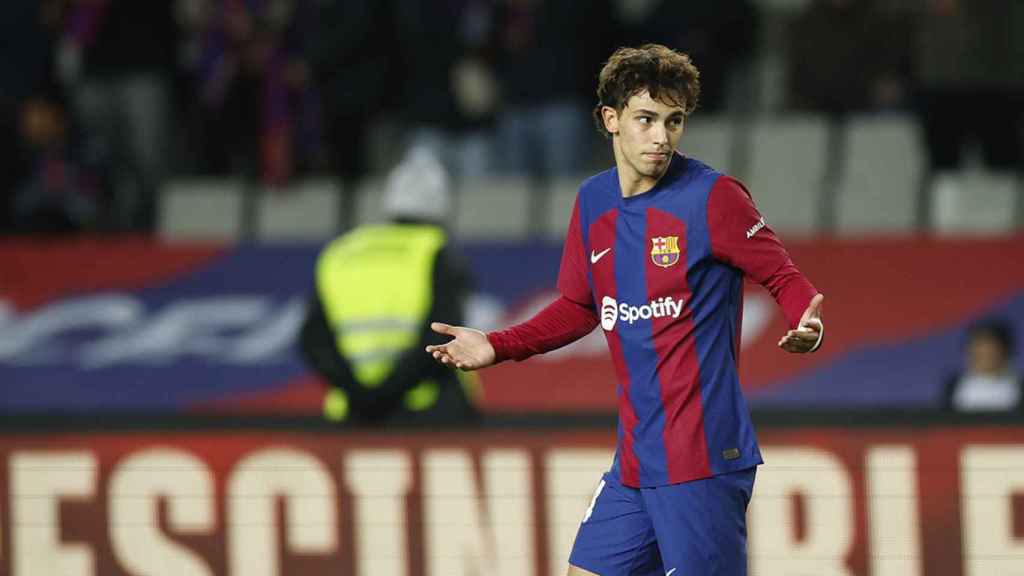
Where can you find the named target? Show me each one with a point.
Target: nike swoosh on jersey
(669, 573)
(595, 256)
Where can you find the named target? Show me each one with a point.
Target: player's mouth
(656, 156)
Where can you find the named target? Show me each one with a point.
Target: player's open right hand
(468, 349)
(809, 333)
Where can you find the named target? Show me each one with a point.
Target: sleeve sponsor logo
(756, 228)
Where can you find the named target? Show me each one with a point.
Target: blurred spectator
(848, 56)
(376, 289)
(989, 382)
(117, 58)
(546, 60)
(970, 69)
(447, 95)
(31, 26)
(348, 53)
(718, 36)
(257, 112)
(60, 192)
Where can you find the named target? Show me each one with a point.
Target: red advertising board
(934, 501)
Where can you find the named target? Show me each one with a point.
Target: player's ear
(610, 116)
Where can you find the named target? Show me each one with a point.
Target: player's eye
(645, 119)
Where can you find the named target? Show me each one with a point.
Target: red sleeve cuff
(794, 299)
(501, 348)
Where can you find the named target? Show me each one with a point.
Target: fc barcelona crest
(665, 250)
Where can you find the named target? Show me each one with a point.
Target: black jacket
(384, 403)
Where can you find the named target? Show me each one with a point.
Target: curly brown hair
(666, 74)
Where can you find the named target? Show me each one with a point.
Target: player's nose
(659, 135)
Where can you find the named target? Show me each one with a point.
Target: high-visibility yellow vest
(376, 287)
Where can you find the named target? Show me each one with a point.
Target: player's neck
(631, 182)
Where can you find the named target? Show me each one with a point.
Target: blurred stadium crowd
(854, 115)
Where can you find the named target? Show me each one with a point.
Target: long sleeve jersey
(662, 274)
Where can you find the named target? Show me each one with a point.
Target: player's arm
(741, 237)
(565, 320)
(559, 323)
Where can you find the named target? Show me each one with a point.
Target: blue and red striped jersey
(664, 272)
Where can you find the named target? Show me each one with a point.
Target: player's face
(646, 131)
(986, 355)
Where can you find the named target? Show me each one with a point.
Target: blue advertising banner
(133, 325)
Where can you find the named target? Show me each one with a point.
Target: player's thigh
(701, 526)
(616, 537)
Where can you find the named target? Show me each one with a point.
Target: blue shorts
(696, 528)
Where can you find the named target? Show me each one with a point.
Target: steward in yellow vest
(376, 290)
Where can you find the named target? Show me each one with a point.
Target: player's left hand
(809, 333)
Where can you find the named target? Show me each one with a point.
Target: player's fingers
(812, 324)
(801, 346)
(791, 346)
(796, 337)
(807, 335)
(810, 337)
(789, 336)
(441, 328)
(788, 340)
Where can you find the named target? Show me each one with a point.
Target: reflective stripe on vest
(375, 284)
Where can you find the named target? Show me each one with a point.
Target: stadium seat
(787, 171)
(493, 208)
(201, 209)
(880, 176)
(560, 198)
(973, 202)
(306, 210)
(709, 139)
